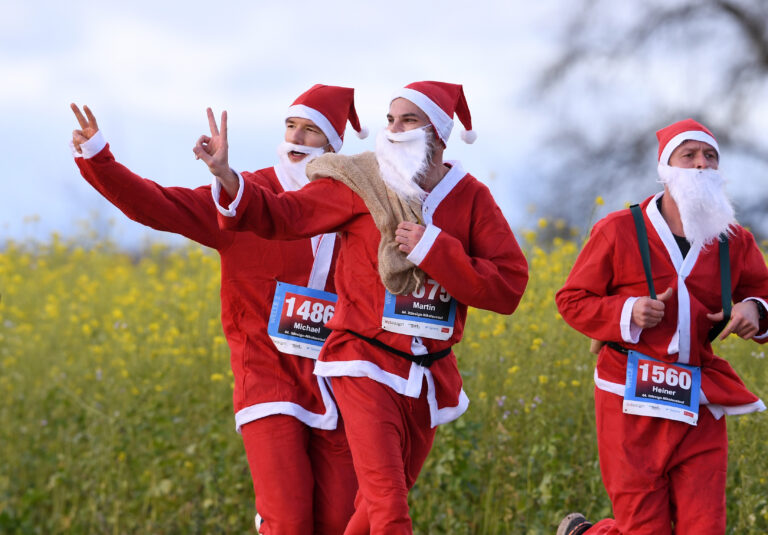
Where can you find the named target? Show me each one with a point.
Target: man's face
(693, 154)
(404, 115)
(303, 132)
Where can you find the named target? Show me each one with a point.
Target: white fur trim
(765, 306)
(681, 341)
(608, 386)
(410, 387)
(441, 191)
(718, 411)
(231, 210)
(322, 264)
(305, 112)
(468, 136)
(679, 139)
(363, 133)
(327, 421)
(439, 119)
(422, 248)
(90, 148)
(446, 414)
(362, 368)
(630, 331)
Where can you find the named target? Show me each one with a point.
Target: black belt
(617, 347)
(422, 360)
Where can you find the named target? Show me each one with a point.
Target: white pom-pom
(468, 136)
(363, 133)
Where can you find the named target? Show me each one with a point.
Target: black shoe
(573, 524)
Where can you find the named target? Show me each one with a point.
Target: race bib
(429, 312)
(662, 389)
(298, 318)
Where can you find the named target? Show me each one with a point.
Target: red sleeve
(493, 274)
(584, 302)
(751, 279)
(322, 206)
(184, 211)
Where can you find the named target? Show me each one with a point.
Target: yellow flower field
(116, 417)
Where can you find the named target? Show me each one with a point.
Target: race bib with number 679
(429, 312)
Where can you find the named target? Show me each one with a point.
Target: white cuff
(90, 148)
(630, 332)
(231, 210)
(419, 252)
(765, 305)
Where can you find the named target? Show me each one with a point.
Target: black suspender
(642, 240)
(725, 269)
(725, 287)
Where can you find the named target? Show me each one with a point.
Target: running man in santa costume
(294, 438)
(421, 240)
(663, 454)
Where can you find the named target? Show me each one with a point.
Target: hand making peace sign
(214, 149)
(88, 126)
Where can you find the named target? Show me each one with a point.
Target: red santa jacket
(266, 381)
(468, 248)
(608, 276)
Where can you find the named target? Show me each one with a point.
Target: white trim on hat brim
(305, 112)
(440, 120)
(682, 137)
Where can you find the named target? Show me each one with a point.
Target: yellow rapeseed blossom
(599, 200)
(215, 377)
(543, 379)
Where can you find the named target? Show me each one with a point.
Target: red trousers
(660, 473)
(390, 436)
(302, 477)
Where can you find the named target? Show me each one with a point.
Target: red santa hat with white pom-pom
(672, 136)
(329, 107)
(440, 100)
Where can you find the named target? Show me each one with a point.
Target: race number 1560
(661, 374)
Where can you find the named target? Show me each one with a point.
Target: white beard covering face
(404, 158)
(293, 175)
(705, 210)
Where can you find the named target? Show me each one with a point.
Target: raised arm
(322, 206)
(180, 210)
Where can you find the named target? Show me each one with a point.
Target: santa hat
(440, 101)
(329, 107)
(677, 133)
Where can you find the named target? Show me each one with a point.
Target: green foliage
(116, 417)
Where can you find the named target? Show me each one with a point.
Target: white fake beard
(296, 172)
(705, 210)
(404, 158)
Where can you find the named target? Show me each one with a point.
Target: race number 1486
(308, 310)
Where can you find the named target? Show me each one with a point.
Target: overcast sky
(148, 70)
